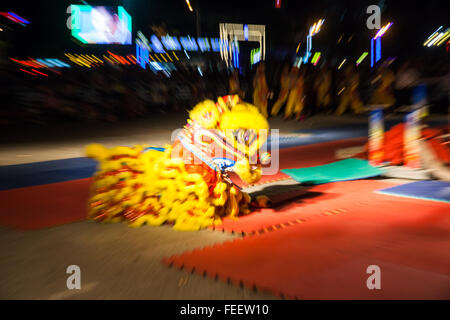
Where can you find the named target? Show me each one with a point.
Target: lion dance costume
(185, 184)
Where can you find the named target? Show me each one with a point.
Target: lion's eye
(244, 136)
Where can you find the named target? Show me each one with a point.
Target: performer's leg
(264, 108)
(356, 105)
(299, 108)
(278, 104)
(289, 107)
(343, 105)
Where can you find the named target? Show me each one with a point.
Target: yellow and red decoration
(185, 184)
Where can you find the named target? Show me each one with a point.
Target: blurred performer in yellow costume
(349, 93)
(383, 93)
(295, 103)
(323, 87)
(261, 90)
(284, 91)
(185, 184)
(235, 87)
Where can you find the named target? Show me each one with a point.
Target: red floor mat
(327, 258)
(58, 203)
(45, 205)
(321, 200)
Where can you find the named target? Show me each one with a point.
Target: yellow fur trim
(243, 116)
(243, 170)
(206, 114)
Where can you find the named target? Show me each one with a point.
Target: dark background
(48, 36)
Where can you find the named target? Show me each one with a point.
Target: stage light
(203, 44)
(131, 58)
(383, 30)
(188, 43)
(361, 58)
(378, 49)
(246, 32)
(435, 32)
(156, 44)
(189, 5)
(317, 61)
(15, 18)
(39, 72)
(170, 43)
(375, 51)
(157, 58)
(315, 57)
(437, 38)
(444, 38)
(34, 74)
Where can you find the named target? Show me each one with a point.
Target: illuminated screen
(101, 25)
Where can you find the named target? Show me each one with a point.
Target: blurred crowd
(104, 94)
(277, 88)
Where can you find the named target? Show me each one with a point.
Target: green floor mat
(348, 169)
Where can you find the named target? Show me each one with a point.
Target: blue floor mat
(425, 190)
(37, 173)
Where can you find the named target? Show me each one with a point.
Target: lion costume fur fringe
(153, 186)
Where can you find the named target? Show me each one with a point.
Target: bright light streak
(18, 17)
(371, 53)
(430, 38)
(316, 27)
(435, 32)
(34, 74)
(107, 59)
(361, 58)
(189, 5)
(342, 63)
(34, 70)
(317, 61)
(315, 57)
(439, 36)
(378, 49)
(313, 29)
(298, 47)
(446, 36)
(383, 30)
